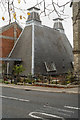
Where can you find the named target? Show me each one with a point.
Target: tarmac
(74, 90)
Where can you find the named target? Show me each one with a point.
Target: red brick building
(8, 36)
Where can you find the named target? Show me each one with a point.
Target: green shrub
(6, 82)
(53, 82)
(70, 77)
(68, 82)
(28, 81)
(33, 81)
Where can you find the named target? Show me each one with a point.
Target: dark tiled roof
(50, 46)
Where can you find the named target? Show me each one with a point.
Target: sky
(48, 21)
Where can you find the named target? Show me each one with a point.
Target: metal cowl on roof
(34, 16)
(58, 24)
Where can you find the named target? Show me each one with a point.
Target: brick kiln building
(41, 49)
(8, 37)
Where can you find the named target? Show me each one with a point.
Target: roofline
(19, 26)
(57, 19)
(33, 20)
(9, 25)
(32, 8)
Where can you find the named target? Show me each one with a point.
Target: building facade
(41, 49)
(8, 37)
(76, 35)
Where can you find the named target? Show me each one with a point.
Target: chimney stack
(33, 16)
(58, 24)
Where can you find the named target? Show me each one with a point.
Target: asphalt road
(18, 103)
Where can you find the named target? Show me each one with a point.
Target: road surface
(24, 103)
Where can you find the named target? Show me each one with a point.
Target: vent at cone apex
(33, 16)
(58, 24)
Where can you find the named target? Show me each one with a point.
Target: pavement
(75, 90)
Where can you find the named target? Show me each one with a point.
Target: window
(50, 67)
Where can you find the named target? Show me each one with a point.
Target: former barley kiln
(42, 50)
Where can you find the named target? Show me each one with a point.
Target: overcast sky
(67, 23)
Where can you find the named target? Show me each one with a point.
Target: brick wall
(0, 47)
(7, 46)
(9, 32)
(7, 43)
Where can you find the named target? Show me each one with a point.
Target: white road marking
(76, 108)
(50, 115)
(34, 116)
(12, 98)
(63, 110)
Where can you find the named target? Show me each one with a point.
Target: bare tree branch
(46, 9)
